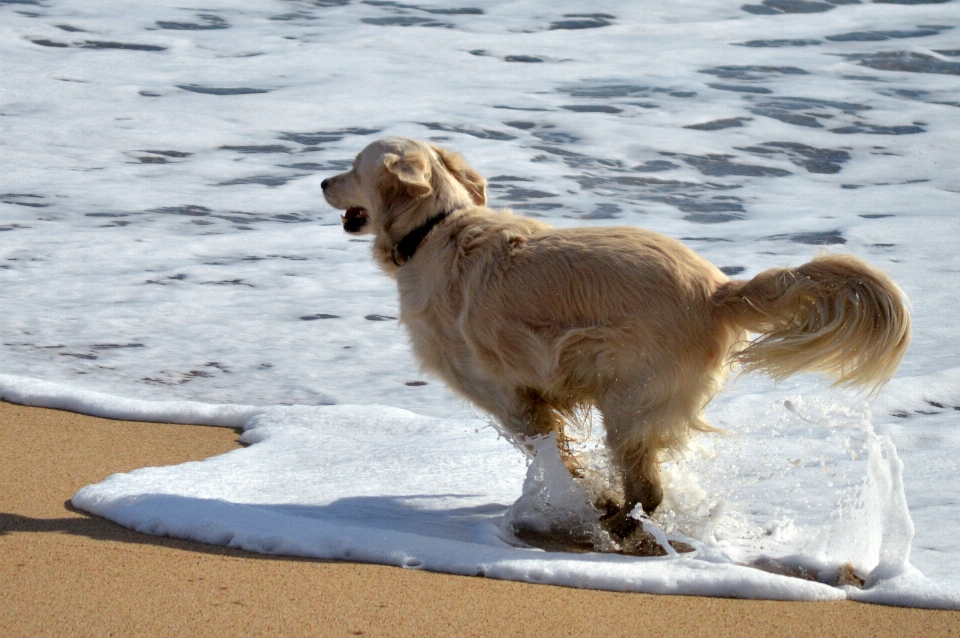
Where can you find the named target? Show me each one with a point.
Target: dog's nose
(324, 184)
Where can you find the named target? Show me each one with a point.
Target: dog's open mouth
(354, 219)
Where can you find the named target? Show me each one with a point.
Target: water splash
(809, 489)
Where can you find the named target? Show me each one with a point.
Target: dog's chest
(431, 309)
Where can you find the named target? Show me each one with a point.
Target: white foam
(377, 484)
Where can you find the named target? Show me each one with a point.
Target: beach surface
(68, 573)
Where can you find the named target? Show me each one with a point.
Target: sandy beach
(70, 574)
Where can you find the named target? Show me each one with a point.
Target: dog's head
(398, 183)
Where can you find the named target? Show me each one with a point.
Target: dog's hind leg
(639, 464)
(636, 435)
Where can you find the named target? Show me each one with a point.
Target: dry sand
(65, 573)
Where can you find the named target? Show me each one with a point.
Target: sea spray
(828, 505)
(555, 511)
(873, 530)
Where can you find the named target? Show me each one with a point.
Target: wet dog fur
(531, 323)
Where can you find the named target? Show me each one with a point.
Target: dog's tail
(834, 315)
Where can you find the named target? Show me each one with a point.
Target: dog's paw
(643, 543)
(618, 522)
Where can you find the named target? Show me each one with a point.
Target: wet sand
(68, 573)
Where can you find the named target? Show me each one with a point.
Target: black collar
(407, 248)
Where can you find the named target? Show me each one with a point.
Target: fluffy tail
(834, 315)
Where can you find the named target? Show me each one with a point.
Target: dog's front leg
(521, 412)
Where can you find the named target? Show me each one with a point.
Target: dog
(531, 323)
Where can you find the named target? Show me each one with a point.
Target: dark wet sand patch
(537, 206)
(175, 154)
(127, 46)
(588, 89)
(716, 125)
(517, 194)
(577, 160)
(773, 7)
(236, 217)
(719, 165)
(290, 17)
(433, 10)
(484, 134)
(508, 178)
(799, 42)
(688, 197)
(654, 166)
(556, 137)
(717, 209)
(461, 11)
(116, 346)
(188, 210)
(815, 160)
(181, 378)
(319, 137)
(803, 111)
(879, 36)
(751, 71)
(78, 355)
(208, 22)
(905, 61)
(263, 180)
(824, 238)
(406, 21)
(918, 95)
(255, 149)
(44, 42)
(227, 282)
(211, 90)
(520, 108)
(591, 108)
(577, 21)
(740, 88)
(23, 199)
(330, 165)
(603, 211)
(875, 129)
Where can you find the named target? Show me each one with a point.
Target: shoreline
(70, 573)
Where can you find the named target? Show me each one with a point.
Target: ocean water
(165, 254)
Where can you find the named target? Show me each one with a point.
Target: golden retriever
(531, 323)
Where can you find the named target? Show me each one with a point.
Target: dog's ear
(473, 181)
(413, 171)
